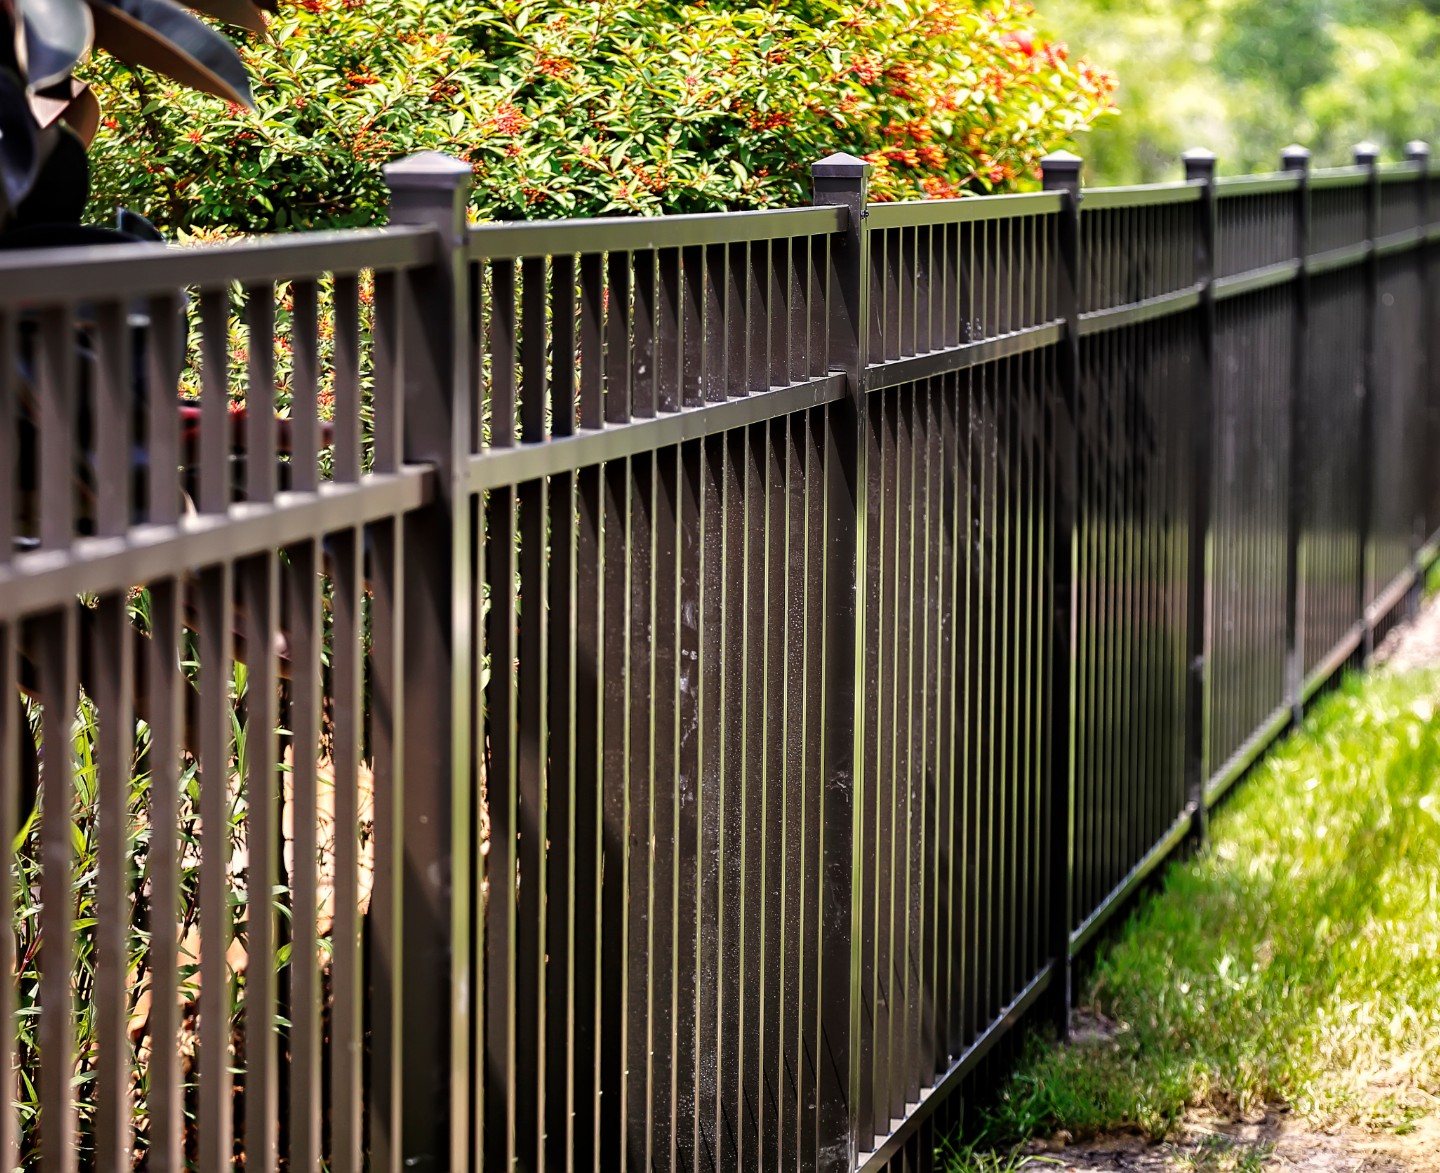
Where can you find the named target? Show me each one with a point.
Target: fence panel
(649, 482)
(954, 807)
(1402, 199)
(1132, 586)
(1337, 210)
(687, 687)
(953, 824)
(1399, 437)
(1116, 273)
(1248, 667)
(216, 801)
(1330, 411)
(1256, 224)
(1139, 342)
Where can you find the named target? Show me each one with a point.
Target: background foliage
(612, 106)
(1247, 77)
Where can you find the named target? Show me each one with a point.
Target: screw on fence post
(1200, 168)
(1367, 155)
(842, 180)
(421, 1074)
(1060, 173)
(1418, 154)
(1296, 160)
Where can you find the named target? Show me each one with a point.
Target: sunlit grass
(1296, 960)
(977, 1158)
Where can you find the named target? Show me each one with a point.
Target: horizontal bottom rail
(1115, 317)
(1337, 258)
(1389, 598)
(1380, 606)
(932, 1097)
(1242, 283)
(145, 553)
(1247, 755)
(496, 468)
(952, 359)
(1137, 875)
(1337, 656)
(1427, 553)
(1399, 242)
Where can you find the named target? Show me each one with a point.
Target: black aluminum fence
(708, 682)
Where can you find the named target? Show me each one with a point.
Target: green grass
(976, 1158)
(1296, 960)
(1432, 579)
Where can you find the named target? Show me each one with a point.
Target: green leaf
(25, 829)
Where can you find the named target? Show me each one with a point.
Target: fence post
(1418, 154)
(1297, 159)
(842, 180)
(1200, 168)
(1367, 155)
(1060, 172)
(431, 320)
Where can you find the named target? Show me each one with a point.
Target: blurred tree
(1284, 48)
(1246, 77)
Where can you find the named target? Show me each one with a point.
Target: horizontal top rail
(1139, 197)
(920, 213)
(533, 238)
(1244, 185)
(1339, 177)
(1390, 172)
(107, 271)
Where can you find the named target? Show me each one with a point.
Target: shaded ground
(1262, 1049)
(1273, 1140)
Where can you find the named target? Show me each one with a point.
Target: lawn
(1293, 966)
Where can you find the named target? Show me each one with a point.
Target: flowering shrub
(613, 106)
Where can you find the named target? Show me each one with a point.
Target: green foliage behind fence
(608, 107)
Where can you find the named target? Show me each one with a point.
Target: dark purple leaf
(160, 35)
(241, 13)
(19, 152)
(54, 34)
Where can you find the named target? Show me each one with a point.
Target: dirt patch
(1274, 1141)
(1415, 644)
(1088, 1025)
